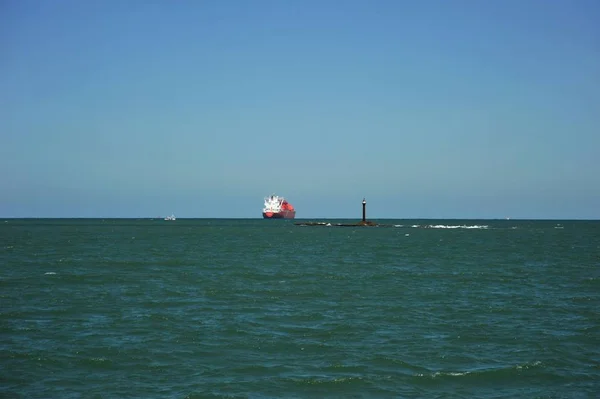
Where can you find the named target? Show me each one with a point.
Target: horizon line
(305, 218)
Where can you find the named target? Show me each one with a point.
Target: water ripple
(214, 309)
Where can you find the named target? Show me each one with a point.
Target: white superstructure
(273, 204)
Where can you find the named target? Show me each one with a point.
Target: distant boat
(172, 217)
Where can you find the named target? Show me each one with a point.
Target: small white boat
(172, 217)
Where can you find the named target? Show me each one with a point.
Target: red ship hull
(283, 214)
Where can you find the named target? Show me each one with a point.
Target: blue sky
(435, 109)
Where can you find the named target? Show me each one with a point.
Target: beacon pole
(364, 219)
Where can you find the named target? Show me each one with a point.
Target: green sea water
(205, 308)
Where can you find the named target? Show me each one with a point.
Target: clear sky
(435, 109)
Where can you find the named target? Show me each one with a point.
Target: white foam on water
(462, 226)
(528, 365)
(442, 374)
(47, 273)
(524, 366)
(446, 226)
(452, 373)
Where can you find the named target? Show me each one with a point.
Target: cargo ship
(278, 208)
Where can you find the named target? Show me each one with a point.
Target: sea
(253, 308)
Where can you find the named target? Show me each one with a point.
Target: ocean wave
(463, 226)
(492, 372)
(446, 226)
(326, 381)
